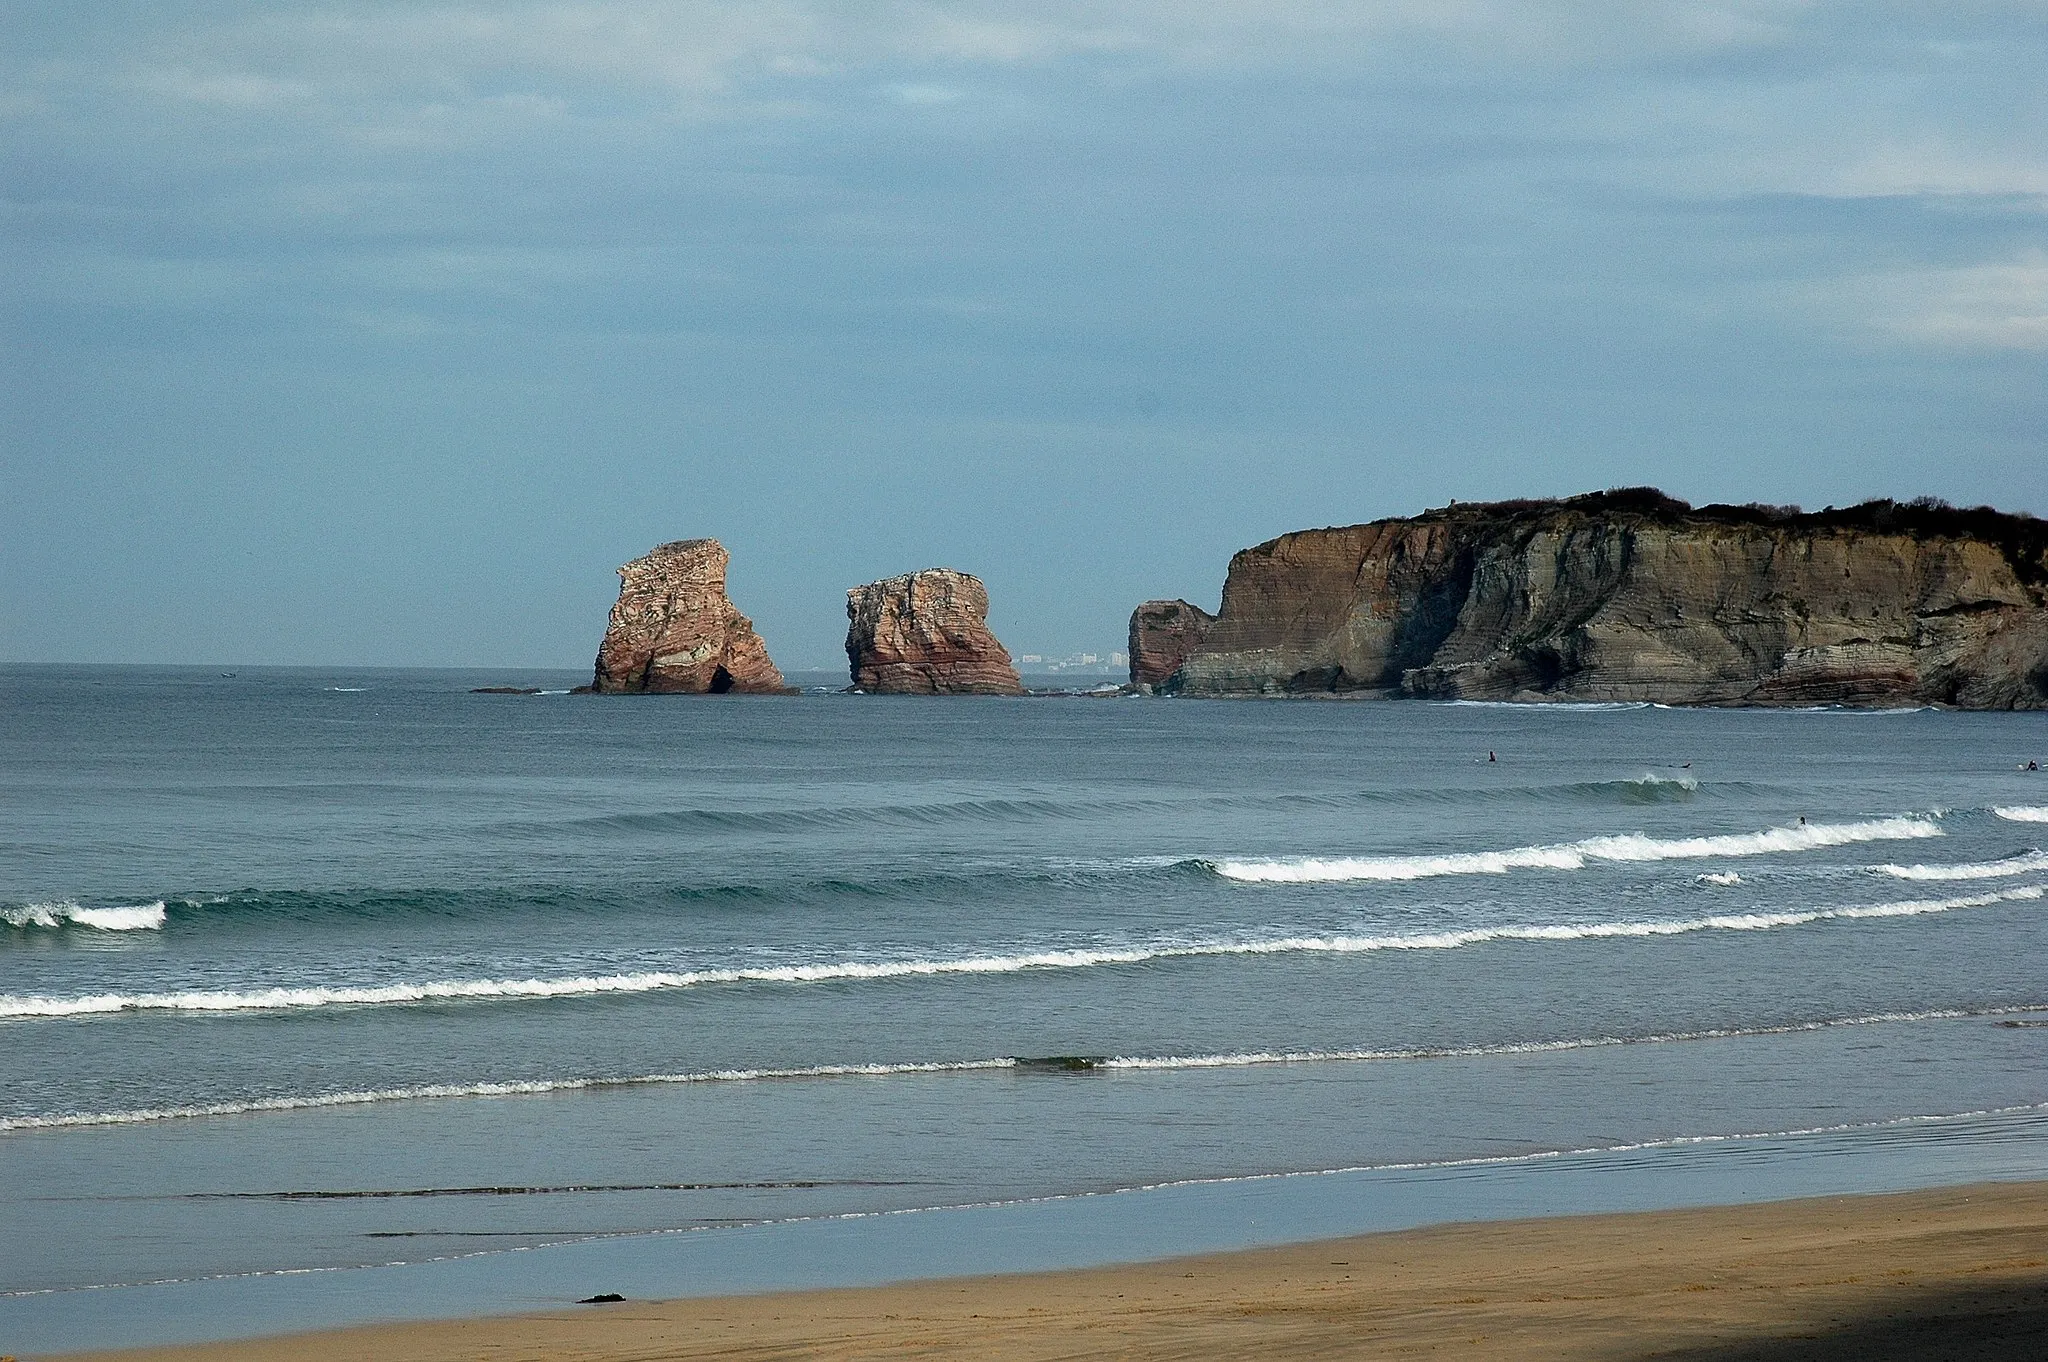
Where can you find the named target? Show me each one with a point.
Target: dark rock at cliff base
(1163, 633)
(926, 633)
(1632, 595)
(673, 631)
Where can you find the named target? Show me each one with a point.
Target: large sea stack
(1163, 633)
(1632, 595)
(926, 633)
(673, 631)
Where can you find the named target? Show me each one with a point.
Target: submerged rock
(926, 633)
(1636, 596)
(673, 631)
(1163, 633)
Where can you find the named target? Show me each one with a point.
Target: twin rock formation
(1628, 595)
(674, 631)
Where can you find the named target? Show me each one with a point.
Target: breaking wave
(1720, 877)
(2024, 864)
(1628, 847)
(583, 986)
(2023, 813)
(138, 917)
(1060, 1063)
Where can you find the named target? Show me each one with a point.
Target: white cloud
(921, 94)
(2002, 306)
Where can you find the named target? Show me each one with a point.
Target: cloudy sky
(381, 333)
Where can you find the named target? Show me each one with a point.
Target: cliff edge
(672, 630)
(1633, 595)
(926, 633)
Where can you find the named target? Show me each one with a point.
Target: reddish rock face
(926, 633)
(1163, 633)
(673, 630)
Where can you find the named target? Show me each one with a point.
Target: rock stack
(926, 633)
(673, 631)
(1163, 633)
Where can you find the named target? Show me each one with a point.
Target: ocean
(304, 971)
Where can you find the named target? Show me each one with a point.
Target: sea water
(308, 970)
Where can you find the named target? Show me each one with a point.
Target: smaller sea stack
(1163, 633)
(673, 631)
(926, 633)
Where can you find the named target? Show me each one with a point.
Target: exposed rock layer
(1632, 595)
(672, 629)
(1163, 633)
(926, 633)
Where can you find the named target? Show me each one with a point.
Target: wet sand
(1957, 1273)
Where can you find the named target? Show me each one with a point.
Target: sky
(380, 334)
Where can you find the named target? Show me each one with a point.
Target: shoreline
(1956, 1271)
(1052, 1238)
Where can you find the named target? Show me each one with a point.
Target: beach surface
(1954, 1273)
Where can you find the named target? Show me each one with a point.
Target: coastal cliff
(926, 633)
(1632, 595)
(673, 631)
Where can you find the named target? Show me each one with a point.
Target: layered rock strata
(1635, 596)
(673, 631)
(1163, 633)
(926, 633)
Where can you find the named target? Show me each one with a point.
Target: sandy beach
(1957, 1273)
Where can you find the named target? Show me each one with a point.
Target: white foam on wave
(26, 1006)
(535, 1087)
(2024, 864)
(1248, 1059)
(1720, 877)
(137, 917)
(1552, 706)
(2023, 813)
(1625, 847)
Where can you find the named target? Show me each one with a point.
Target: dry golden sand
(1960, 1273)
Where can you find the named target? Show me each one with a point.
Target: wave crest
(1065, 1064)
(1625, 847)
(456, 990)
(2023, 864)
(137, 917)
(2023, 813)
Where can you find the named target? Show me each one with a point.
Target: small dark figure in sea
(1491, 757)
(2031, 766)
